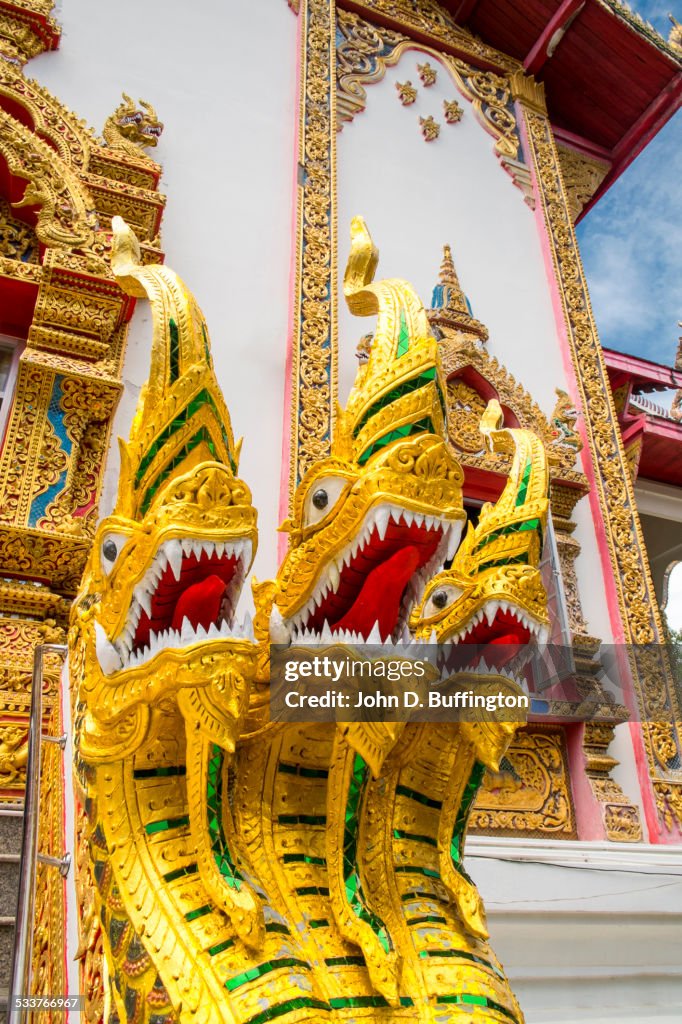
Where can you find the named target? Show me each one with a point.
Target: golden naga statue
(250, 870)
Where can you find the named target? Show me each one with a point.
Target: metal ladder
(20, 976)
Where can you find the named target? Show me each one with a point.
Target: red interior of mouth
(371, 588)
(200, 594)
(506, 629)
(500, 642)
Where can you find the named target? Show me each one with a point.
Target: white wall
(585, 931)
(225, 89)
(417, 196)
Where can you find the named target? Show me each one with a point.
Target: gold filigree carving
(430, 128)
(427, 74)
(582, 177)
(620, 816)
(453, 111)
(66, 215)
(27, 29)
(639, 612)
(132, 128)
(363, 52)
(431, 19)
(406, 92)
(531, 794)
(367, 50)
(675, 36)
(17, 239)
(313, 392)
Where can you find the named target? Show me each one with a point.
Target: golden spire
(453, 295)
(449, 305)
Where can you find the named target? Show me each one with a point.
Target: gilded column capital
(529, 92)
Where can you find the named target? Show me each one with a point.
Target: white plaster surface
(586, 931)
(228, 157)
(416, 197)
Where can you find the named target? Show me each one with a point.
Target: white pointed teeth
(280, 632)
(109, 659)
(173, 551)
(453, 536)
(374, 636)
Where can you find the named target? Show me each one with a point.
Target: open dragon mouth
(500, 635)
(187, 595)
(367, 592)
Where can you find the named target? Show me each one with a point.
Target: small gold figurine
(427, 74)
(406, 92)
(430, 128)
(453, 111)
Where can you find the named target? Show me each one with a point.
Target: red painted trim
(562, 18)
(656, 115)
(643, 370)
(464, 11)
(612, 601)
(581, 144)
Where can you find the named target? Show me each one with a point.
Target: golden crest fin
(400, 389)
(181, 419)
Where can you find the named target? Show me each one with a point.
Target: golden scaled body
(250, 870)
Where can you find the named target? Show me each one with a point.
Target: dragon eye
(109, 550)
(112, 545)
(440, 599)
(322, 498)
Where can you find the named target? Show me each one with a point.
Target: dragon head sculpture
(156, 611)
(372, 522)
(133, 125)
(493, 595)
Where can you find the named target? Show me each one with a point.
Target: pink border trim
(651, 817)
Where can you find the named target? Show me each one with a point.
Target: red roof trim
(643, 370)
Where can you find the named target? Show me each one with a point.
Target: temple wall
(416, 197)
(227, 156)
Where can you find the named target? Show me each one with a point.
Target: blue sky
(631, 241)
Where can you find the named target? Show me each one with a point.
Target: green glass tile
(357, 1002)
(302, 858)
(276, 927)
(220, 947)
(167, 771)
(414, 869)
(403, 336)
(422, 426)
(467, 999)
(420, 798)
(407, 387)
(257, 972)
(312, 890)
(414, 837)
(164, 826)
(192, 915)
(345, 961)
(301, 819)
(305, 773)
(281, 1009)
(320, 922)
(174, 350)
(189, 869)
(426, 919)
(525, 480)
